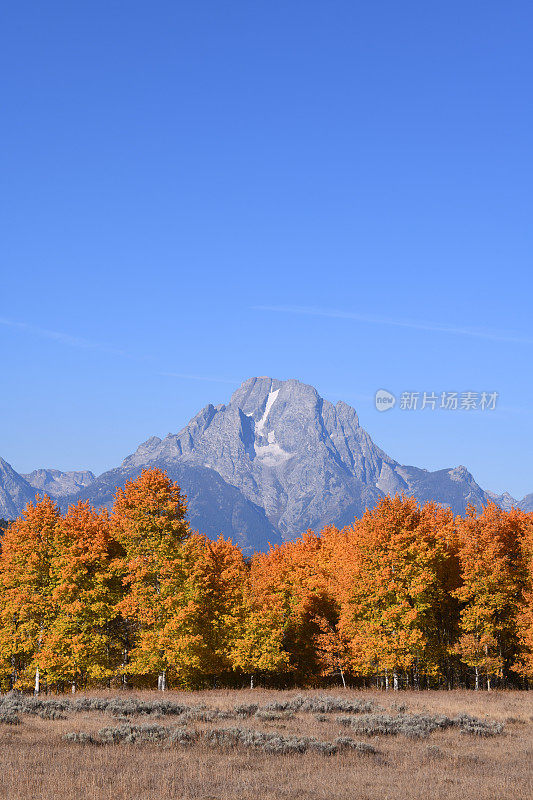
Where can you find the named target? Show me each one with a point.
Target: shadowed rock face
(274, 461)
(15, 492)
(213, 506)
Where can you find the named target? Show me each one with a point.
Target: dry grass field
(415, 753)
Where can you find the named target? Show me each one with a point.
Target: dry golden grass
(38, 764)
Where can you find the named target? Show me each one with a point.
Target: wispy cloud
(87, 344)
(62, 338)
(436, 327)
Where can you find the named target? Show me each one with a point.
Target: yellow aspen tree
(258, 647)
(148, 520)
(524, 661)
(396, 572)
(494, 579)
(79, 645)
(27, 584)
(206, 610)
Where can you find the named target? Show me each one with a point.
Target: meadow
(265, 744)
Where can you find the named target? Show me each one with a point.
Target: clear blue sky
(181, 179)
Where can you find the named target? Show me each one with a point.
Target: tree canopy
(406, 595)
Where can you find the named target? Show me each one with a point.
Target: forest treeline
(408, 595)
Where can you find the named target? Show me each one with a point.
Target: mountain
(213, 506)
(507, 502)
(14, 491)
(289, 453)
(526, 503)
(58, 484)
(274, 461)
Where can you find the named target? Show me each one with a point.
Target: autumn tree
(258, 645)
(27, 584)
(332, 644)
(524, 661)
(206, 611)
(397, 567)
(80, 642)
(333, 648)
(148, 521)
(494, 578)
(292, 580)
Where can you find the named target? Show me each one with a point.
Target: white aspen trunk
(395, 681)
(162, 681)
(73, 687)
(124, 664)
(37, 687)
(251, 681)
(342, 677)
(477, 679)
(386, 680)
(488, 683)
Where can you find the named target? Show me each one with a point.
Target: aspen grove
(407, 596)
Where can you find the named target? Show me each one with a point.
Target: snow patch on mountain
(271, 454)
(271, 399)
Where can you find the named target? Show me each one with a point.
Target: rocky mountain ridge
(507, 502)
(59, 484)
(274, 461)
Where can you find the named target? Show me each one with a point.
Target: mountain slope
(213, 506)
(507, 502)
(15, 492)
(274, 461)
(526, 504)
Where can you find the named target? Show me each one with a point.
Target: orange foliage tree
(292, 581)
(148, 521)
(206, 610)
(397, 568)
(405, 592)
(258, 645)
(27, 583)
(79, 645)
(524, 661)
(494, 579)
